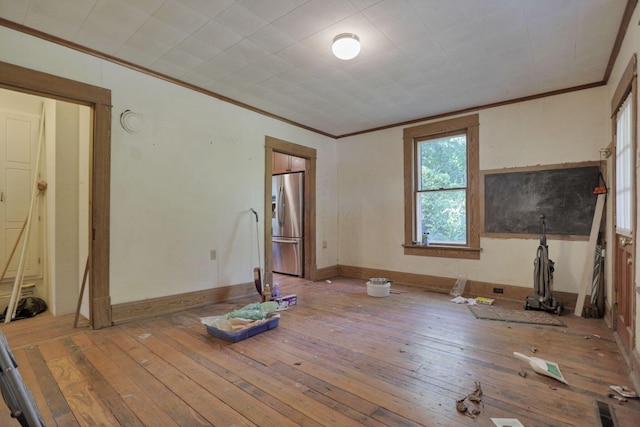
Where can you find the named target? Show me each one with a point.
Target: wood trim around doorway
(19, 79)
(309, 154)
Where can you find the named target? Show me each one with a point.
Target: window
(442, 188)
(624, 168)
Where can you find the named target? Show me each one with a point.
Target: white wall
(566, 128)
(184, 185)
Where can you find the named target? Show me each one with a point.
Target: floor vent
(605, 414)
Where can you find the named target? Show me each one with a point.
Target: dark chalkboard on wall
(514, 201)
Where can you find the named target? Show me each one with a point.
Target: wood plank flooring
(338, 358)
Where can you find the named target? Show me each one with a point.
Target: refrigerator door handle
(290, 242)
(281, 206)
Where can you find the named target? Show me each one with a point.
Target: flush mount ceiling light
(346, 46)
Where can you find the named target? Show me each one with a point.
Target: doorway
(20, 79)
(45, 140)
(21, 117)
(309, 156)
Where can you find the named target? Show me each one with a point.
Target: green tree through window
(441, 194)
(442, 190)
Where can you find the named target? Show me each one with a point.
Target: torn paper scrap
(462, 300)
(507, 422)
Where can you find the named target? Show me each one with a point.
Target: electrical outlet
(498, 290)
(324, 244)
(213, 255)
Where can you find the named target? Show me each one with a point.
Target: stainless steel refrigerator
(287, 226)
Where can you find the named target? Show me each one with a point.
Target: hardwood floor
(338, 358)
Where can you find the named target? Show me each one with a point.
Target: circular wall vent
(131, 122)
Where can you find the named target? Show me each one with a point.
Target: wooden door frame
(309, 154)
(627, 85)
(20, 79)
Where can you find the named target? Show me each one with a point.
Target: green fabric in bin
(254, 311)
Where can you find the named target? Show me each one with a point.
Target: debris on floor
(588, 337)
(624, 391)
(475, 397)
(483, 300)
(542, 366)
(507, 422)
(463, 300)
(458, 287)
(620, 400)
(461, 407)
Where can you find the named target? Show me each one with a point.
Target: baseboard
(608, 315)
(130, 311)
(439, 284)
(326, 272)
(635, 369)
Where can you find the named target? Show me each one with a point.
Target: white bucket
(378, 289)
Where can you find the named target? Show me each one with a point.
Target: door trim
(309, 154)
(33, 82)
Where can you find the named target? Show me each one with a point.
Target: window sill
(462, 252)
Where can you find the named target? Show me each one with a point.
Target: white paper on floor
(463, 300)
(507, 422)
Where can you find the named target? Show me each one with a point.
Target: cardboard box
(483, 300)
(286, 301)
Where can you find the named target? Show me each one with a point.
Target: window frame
(469, 125)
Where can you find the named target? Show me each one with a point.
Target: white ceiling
(419, 58)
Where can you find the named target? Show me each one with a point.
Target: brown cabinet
(284, 163)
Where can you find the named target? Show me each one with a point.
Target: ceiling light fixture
(346, 46)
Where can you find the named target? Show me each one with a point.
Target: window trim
(470, 126)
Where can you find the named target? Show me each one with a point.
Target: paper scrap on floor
(463, 300)
(507, 422)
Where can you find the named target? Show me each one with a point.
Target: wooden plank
(181, 357)
(201, 400)
(203, 347)
(147, 411)
(56, 403)
(339, 357)
(399, 400)
(86, 405)
(288, 392)
(587, 273)
(108, 395)
(172, 407)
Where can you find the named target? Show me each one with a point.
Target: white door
(18, 150)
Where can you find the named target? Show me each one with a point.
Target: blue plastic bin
(272, 323)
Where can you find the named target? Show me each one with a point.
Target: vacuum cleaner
(543, 278)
